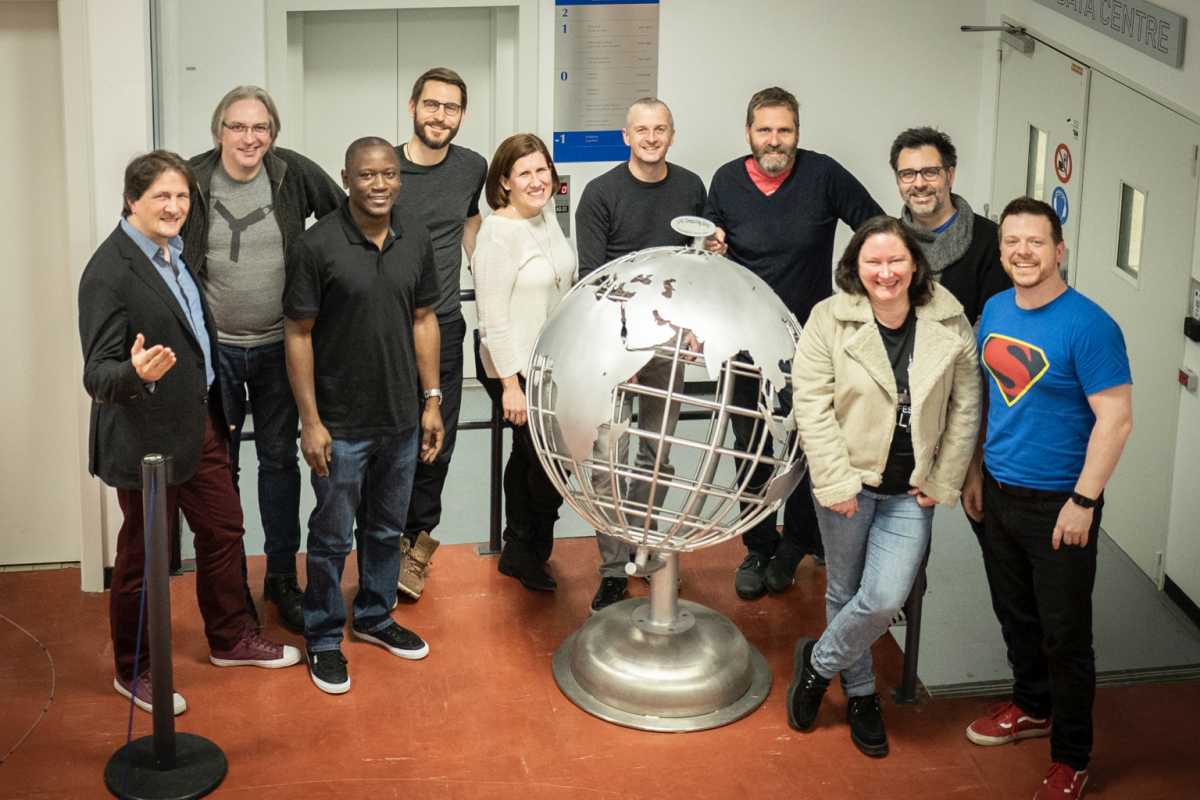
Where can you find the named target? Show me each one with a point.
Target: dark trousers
(800, 528)
(213, 512)
(531, 502)
(1043, 600)
(425, 508)
(255, 379)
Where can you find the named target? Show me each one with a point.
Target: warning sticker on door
(1062, 162)
(1058, 199)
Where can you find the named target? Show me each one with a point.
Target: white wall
(107, 120)
(1181, 87)
(37, 328)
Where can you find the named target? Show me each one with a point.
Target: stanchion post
(158, 602)
(165, 765)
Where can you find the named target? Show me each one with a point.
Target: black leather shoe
(517, 560)
(288, 597)
(866, 725)
(781, 572)
(750, 580)
(806, 689)
(611, 590)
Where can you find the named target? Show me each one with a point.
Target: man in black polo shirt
(776, 212)
(360, 329)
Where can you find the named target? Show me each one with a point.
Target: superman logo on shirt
(1015, 365)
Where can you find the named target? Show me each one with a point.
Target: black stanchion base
(200, 766)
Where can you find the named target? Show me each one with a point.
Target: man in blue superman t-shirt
(1058, 414)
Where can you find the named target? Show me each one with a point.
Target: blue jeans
(261, 373)
(371, 480)
(871, 561)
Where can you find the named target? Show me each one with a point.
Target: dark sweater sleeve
(992, 277)
(850, 199)
(591, 229)
(712, 204)
(322, 195)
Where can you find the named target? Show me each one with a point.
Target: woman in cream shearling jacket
(886, 392)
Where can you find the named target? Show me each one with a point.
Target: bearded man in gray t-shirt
(440, 184)
(252, 201)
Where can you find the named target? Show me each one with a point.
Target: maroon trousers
(211, 506)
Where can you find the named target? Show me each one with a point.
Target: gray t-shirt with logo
(244, 274)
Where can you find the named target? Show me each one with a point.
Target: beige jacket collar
(935, 343)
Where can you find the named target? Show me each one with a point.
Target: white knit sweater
(522, 269)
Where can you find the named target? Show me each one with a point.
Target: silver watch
(428, 393)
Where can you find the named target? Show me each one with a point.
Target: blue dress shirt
(179, 280)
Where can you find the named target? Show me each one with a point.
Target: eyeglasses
(432, 106)
(928, 173)
(240, 128)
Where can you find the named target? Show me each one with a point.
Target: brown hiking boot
(414, 560)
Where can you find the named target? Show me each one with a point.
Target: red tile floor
(481, 717)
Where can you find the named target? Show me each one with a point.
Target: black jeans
(799, 516)
(1043, 600)
(425, 508)
(531, 502)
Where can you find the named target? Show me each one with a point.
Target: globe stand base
(673, 679)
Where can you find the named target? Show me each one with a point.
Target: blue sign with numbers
(1061, 206)
(605, 57)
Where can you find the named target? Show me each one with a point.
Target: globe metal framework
(669, 487)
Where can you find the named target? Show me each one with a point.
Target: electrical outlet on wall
(1195, 304)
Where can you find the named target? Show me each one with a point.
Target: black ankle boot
(866, 725)
(288, 597)
(806, 689)
(519, 560)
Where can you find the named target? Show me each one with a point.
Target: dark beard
(419, 130)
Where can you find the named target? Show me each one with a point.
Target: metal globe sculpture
(666, 482)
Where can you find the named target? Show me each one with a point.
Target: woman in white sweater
(523, 266)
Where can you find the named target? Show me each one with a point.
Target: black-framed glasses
(928, 173)
(432, 106)
(240, 128)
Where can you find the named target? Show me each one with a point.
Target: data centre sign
(1152, 29)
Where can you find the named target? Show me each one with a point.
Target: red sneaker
(1062, 783)
(1006, 723)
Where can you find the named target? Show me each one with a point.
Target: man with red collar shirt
(776, 212)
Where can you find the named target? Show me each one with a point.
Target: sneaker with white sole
(254, 650)
(397, 640)
(143, 694)
(1062, 782)
(1006, 723)
(327, 668)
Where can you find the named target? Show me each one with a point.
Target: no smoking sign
(1062, 162)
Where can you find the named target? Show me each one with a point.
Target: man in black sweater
(776, 212)
(962, 247)
(630, 208)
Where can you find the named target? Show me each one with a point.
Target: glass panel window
(1035, 176)
(1129, 241)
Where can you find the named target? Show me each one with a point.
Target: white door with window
(1040, 132)
(1137, 220)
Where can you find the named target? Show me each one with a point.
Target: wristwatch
(428, 393)
(1082, 501)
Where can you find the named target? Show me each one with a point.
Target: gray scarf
(942, 250)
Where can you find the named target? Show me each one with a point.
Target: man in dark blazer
(148, 349)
